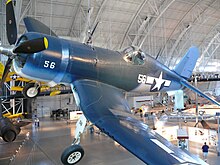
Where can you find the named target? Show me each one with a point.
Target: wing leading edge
(106, 107)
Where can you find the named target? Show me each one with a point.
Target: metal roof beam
(202, 17)
(24, 12)
(132, 22)
(18, 9)
(140, 31)
(99, 12)
(74, 14)
(163, 7)
(212, 46)
(177, 42)
(95, 20)
(175, 28)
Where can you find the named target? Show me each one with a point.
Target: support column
(197, 109)
(22, 105)
(179, 102)
(218, 132)
(13, 106)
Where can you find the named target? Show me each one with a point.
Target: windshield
(134, 55)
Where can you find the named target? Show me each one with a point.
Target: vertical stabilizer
(185, 67)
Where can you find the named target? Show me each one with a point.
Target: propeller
(11, 29)
(26, 47)
(11, 26)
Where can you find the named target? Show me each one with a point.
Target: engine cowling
(48, 65)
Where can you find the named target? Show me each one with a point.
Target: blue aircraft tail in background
(185, 68)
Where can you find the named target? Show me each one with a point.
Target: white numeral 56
(141, 79)
(48, 64)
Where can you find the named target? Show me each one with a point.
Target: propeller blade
(32, 46)
(11, 26)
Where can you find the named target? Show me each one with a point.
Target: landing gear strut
(74, 153)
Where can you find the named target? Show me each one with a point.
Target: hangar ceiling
(163, 28)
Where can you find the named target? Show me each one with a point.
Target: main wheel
(72, 155)
(31, 90)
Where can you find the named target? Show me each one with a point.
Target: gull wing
(106, 107)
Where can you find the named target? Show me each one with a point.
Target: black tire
(30, 91)
(8, 131)
(9, 136)
(72, 155)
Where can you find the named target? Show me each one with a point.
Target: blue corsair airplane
(98, 77)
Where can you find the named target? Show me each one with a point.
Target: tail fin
(185, 67)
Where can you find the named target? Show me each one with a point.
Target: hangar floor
(46, 143)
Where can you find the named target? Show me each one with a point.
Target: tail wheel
(31, 90)
(72, 155)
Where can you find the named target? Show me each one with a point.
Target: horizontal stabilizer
(188, 85)
(185, 67)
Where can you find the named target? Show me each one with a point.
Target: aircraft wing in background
(33, 25)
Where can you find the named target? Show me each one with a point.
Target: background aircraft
(8, 129)
(98, 78)
(30, 88)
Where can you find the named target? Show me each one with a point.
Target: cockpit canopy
(134, 55)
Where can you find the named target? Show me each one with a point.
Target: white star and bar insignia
(14, 76)
(157, 83)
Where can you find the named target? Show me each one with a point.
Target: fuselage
(67, 61)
